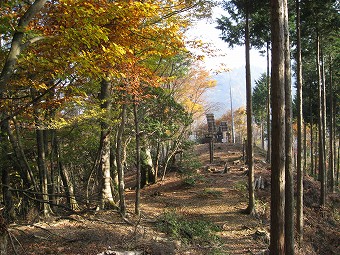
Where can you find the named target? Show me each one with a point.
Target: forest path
(213, 196)
(204, 193)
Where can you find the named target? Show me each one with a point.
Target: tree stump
(259, 182)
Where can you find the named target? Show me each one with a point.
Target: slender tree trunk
(324, 117)
(268, 108)
(232, 118)
(26, 171)
(49, 169)
(54, 176)
(316, 158)
(9, 213)
(331, 133)
(300, 172)
(158, 154)
(251, 202)
(120, 166)
(22, 164)
(321, 131)
(106, 197)
(42, 171)
(305, 157)
(65, 176)
(138, 160)
(262, 134)
(338, 166)
(277, 237)
(289, 193)
(311, 135)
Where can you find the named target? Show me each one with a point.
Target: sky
(233, 59)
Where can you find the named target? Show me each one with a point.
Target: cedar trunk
(251, 200)
(322, 169)
(277, 242)
(289, 193)
(300, 171)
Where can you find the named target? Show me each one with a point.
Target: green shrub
(212, 193)
(241, 186)
(188, 231)
(191, 179)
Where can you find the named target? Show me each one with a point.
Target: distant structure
(223, 134)
(210, 136)
(220, 134)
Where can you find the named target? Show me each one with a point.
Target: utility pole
(232, 118)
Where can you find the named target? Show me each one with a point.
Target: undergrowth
(188, 231)
(188, 167)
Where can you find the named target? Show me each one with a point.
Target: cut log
(236, 162)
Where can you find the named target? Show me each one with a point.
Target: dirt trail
(213, 196)
(217, 197)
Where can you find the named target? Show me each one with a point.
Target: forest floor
(195, 212)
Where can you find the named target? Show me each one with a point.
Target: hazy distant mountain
(219, 96)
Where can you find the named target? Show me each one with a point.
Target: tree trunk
(300, 172)
(251, 199)
(65, 177)
(157, 159)
(289, 192)
(147, 169)
(262, 134)
(321, 129)
(22, 164)
(331, 133)
(42, 171)
(49, 170)
(138, 160)
(324, 116)
(268, 108)
(316, 158)
(311, 136)
(305, 157)
(277, 238)
(338, 167)
(54, 174)
(26, 171)
(9, 213)
(120, 166)
(106, 197)
(16, 45)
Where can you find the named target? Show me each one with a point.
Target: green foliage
(233, 26)
(191, 178)
(188, 231)
(211, 193)
(161, 115)
(189, 165)
(241, 186)
(259, 95)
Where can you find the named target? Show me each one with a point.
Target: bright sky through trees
(231, 58)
